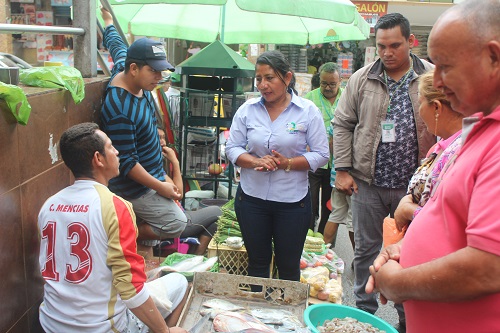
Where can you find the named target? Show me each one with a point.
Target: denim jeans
(264, 223)
(320, 180)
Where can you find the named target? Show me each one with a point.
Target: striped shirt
(130, 123)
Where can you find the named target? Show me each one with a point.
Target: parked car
(10, 60)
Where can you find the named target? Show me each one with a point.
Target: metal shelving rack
(216, 74)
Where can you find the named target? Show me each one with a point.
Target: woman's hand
(169, 153)
(266, 163)
(404, 213)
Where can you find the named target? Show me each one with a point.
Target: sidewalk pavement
(344, 250)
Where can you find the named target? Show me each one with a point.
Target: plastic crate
(275, 294)
(230, 260)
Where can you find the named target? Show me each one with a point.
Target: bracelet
(289, 166)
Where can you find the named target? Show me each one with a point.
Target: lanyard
(328, 110)
(407, 74)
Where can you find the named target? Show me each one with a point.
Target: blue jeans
(320, 180)
(263, 222)
(369, 208)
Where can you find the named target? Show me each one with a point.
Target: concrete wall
(5, 40)
(30, 172)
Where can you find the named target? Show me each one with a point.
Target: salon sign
(371, 11)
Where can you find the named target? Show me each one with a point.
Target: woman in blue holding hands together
(275, 139)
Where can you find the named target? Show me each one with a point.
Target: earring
(436, 125)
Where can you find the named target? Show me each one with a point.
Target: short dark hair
(392, 20)
(278, 62)
(78, 145)
(329, 67)
(129, 61)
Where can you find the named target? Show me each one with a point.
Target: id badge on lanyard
(388, 131)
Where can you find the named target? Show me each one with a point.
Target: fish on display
(203, 266)
(250, 330)
(184, 265)
(211, 312)
(236, 321)
(217, 303)
(270, 316)
(281, 320)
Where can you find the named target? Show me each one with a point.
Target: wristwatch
(343, 169)
(289, 166)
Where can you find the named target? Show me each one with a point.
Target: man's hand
(345, 183)
(383, 281)
(170, 191)
(106, 16)
(177, 330)
(392, 252)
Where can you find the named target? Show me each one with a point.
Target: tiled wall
(30, 172)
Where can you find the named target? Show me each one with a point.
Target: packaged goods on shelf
(345, 62)
(201, 105)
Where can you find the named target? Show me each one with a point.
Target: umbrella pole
(223, 22)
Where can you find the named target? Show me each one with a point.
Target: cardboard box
(276, 294)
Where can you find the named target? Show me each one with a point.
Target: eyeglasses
(331, 85)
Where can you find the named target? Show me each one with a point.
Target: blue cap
(151, 52)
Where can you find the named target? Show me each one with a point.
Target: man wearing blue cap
(128, 118)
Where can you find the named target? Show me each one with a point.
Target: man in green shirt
(326, 98)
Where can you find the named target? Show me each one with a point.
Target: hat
(151, 52)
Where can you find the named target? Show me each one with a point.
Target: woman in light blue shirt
(276, 140)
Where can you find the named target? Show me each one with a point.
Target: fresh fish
(250, 330)
(204, 266)
(286, 320)
(216, 303)
(270, 316)
(211, 312)
(187, 264)
(236, 321)
(290, 324)
(198, 327)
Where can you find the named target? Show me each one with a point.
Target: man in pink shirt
(446, 270)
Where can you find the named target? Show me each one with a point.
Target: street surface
(344, 250)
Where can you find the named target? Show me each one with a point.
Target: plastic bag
(185, 264)
(391, 234)
(65, 77)
(16, 101)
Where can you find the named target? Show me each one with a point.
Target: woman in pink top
(442, 121)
